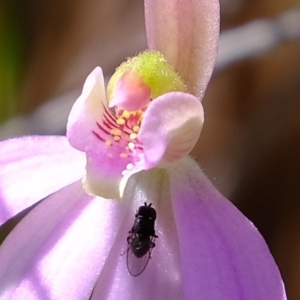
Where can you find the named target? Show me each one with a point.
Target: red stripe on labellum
(98, 136)
(103, 129)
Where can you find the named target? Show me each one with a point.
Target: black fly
(141, 239)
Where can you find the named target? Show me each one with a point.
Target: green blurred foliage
(11, 50)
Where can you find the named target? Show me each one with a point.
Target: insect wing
(136, 265)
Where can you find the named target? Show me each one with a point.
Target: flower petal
(31, 168)
(104, 174)
(59, 249)
(186, 32)
(87, 111)
(223, 255)
(92, 128)
(171, 127)
(162, 277)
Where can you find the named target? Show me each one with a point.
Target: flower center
(119, 131)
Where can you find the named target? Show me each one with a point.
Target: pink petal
(31, 168)
(59, 249)
(104, 174)
(162, 277)
(171, 127)
(89, 129)
(186, 32)
(87, 111)
(223, 255)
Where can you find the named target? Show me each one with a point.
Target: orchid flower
(130, 145)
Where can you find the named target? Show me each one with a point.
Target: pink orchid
(134, 144)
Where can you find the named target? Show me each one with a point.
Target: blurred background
(250, 145)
